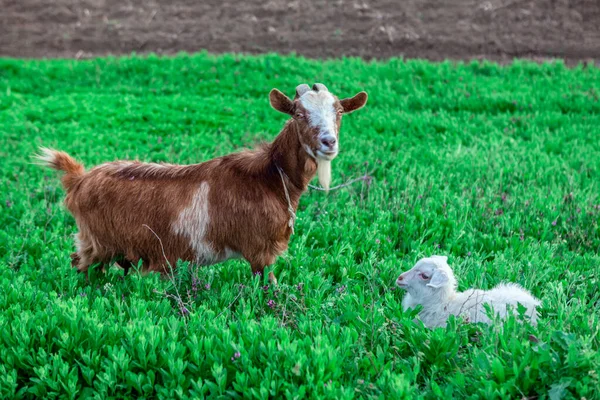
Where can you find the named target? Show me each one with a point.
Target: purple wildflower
(554, 222)
(265, 288)
(271, 303)
(8, 204)
(237, 354)
(207, 286)
(377, 241)
(341, 289)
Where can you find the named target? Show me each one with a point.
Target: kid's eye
(299, 115)
(340, 112)
(424, 276)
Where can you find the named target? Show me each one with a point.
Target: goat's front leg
(272, 278)
(126, 264)
(259, 269)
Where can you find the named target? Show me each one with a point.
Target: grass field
(496, 167)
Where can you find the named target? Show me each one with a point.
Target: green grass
(496, 167)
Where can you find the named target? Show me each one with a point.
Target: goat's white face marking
(193, 223)
(322, 116)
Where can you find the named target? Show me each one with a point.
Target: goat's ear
(354, 103)
(443, 258)
(438, 280)
(281, 102)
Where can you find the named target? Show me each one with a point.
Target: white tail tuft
(46, 157)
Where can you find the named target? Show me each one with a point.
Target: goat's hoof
(272, 278)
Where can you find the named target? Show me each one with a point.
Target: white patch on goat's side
(321, 113)
(193, 223)
(324, 173)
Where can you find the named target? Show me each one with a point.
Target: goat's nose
(400, 278)
(329, 141)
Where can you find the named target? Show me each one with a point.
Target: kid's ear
(281, 102)
(438, 280)
(443, 258)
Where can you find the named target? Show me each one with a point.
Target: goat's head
(429, 275)
(318, 115)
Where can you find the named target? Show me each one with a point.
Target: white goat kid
(431, 283)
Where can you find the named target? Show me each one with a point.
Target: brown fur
(127, 210)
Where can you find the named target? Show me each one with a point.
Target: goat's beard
(324, 173)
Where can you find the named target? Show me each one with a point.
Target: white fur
(193, 223)
(322, 115)
(46, 156)
(439, 297)
(324, 173)
(319, 106)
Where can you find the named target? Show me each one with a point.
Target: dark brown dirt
(432, 29)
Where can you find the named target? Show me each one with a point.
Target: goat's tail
(61, 161)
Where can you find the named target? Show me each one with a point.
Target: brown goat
(242, 204)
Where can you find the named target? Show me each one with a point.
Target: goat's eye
(424, 276)
(340, 112)
(299, 115)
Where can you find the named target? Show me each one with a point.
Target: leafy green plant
(496, 167)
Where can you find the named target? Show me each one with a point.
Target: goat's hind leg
(85, 255)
